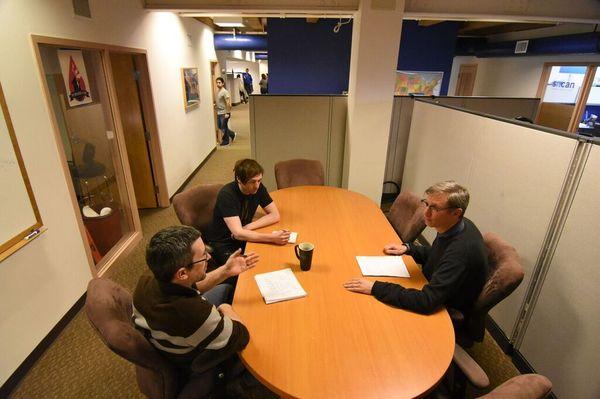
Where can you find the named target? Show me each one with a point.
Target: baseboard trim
(516, 357)
(21, 371)
(191, 176)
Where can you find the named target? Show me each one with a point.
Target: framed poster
(75, 77)
(423, 83)
(191, 91)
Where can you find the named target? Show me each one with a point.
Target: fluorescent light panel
(229, 22)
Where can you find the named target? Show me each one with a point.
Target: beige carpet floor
(78, 364)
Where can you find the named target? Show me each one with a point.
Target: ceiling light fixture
(229, 22)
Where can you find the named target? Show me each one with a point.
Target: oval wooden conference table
(334, 343)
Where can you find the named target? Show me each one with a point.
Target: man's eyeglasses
(204, 259)
(433, 207)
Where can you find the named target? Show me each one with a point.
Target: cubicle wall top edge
(468, 97)
(298, 95)
(512, 121)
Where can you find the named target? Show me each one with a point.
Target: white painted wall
(510, 76)
(39, 283)
(263, 67)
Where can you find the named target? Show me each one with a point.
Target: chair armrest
(470, 368)
(456, 316)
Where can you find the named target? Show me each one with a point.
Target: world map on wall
(418, 82)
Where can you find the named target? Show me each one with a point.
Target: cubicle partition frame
(402, 116)
(575, 157)
(292, 126)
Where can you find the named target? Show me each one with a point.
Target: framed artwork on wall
(191, 90)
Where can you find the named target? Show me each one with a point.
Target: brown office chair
(299, 172)
(407, 216)
(109, 309)
(506, 273)
(195, 206)
(526, 386)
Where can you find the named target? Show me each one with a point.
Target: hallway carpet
(78, 365)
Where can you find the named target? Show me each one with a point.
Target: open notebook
(280, 285)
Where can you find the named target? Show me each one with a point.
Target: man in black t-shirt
(236, 205)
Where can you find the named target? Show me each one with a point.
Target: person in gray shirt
(224, 112)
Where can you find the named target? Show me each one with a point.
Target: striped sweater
(186, 328)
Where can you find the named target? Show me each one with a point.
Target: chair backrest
(195, 206)
(299, 172)
(109, 309)
(407, 216)
(526, 386)
(505, 275)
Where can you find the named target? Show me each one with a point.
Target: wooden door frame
(583, 94)
(129, 240)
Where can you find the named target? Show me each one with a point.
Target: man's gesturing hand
(238, 263)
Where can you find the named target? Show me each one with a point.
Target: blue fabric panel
(428, 48)
(308, 58)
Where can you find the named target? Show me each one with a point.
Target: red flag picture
(75, 77)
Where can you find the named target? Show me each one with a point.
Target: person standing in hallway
(224, 113)
(242, 89)
(248, 82)
(264, 84)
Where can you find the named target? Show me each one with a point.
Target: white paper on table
(293, 237)
(281, 285)
(390, 266)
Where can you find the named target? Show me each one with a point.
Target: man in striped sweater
(181, 309)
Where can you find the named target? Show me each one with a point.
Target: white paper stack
(391, 266)
(281, 285)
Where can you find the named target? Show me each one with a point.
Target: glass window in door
(80, 101)
(562, 90)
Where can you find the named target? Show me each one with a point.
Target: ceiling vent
(521, 46)
(81, 8)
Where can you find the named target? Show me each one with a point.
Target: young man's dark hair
(169, 250)
(246, 169)
(220, 79)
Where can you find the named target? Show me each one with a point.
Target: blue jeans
(219, 294)
(222, 124)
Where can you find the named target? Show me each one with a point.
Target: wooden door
(134, 129)
(466, 80)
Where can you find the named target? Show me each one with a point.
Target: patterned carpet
(78, 365)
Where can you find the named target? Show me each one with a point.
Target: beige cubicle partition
(299, 126)
(514, 173)
(561, 339)
(506, 107)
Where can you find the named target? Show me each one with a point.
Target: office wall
(308, 58)
(501, 164)
(511, 76)
(561, 340)
(288, 127)
(428, 48)
(39, 283)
